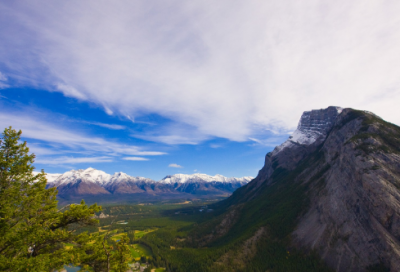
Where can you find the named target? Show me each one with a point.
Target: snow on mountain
(103, 179)
(120, 177)
(313, 125)
(182, 178)
(90, 175)
(50, 177)
(95, 182)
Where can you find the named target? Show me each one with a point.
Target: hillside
(331, 191)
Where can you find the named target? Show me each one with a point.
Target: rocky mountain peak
(318, 121)
(313, 126)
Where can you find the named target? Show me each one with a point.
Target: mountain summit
(332, 188)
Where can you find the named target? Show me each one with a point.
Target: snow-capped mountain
(96, 182)
(204, 184)
(313, 126)
(182, 178)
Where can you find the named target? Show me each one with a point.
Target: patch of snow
(308, 130)
(50, 177)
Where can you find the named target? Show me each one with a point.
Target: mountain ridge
(92, 182)
(336, 196)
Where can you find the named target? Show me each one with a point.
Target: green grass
(135, 253)
(140, 233)
(138, 250)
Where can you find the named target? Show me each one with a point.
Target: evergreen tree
(33, 232)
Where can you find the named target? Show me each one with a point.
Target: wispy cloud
(261, 64)
(135, 159)
(51, 142)
(172, 134)
(215, 145)
(74, 160)
(70, 91)
(110, 126)
(174, 165)
(269, 142)
(3, 79)
(40, 130)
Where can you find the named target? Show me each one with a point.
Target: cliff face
(334, 187)
(354, 217)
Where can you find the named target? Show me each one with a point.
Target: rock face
(346, 163)
(311, 131)
(354, 220)
(317, 122)
(92, 182)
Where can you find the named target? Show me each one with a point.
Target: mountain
(96, 183)
(204, 184)
(330, 192)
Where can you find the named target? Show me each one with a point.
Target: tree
(33, 232)
(103, 254)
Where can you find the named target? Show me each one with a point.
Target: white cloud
(3, 77)
(225, 69)
(215, 146)
(108, 111)
(73, 160)
(173, 134)
(110, 126)
(70, 91)
(52, 139)
(2, 84)
(135, 159)
(174, 165)
(270, 141)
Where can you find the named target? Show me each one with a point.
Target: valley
(138, 222)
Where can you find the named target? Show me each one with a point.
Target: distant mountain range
(98, 184)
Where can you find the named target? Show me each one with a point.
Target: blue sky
(141, 87)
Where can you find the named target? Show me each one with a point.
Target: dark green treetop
(33, 232)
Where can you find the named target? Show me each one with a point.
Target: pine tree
(33, 232)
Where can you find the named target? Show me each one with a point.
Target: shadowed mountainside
(331, 190)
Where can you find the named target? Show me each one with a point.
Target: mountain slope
(333, 190)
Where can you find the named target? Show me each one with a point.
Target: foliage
(102, 253)
(33, 231)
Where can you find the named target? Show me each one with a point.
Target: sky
(153, 88)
